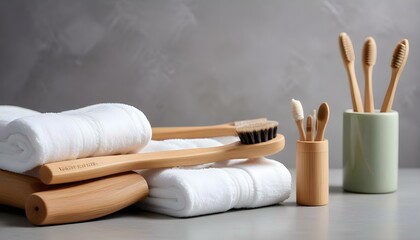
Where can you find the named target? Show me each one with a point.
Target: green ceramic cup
(370, 152)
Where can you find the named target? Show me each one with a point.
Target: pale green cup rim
(375, 113)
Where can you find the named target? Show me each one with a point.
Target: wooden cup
(312, 186)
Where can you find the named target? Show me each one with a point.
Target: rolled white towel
(96, 130)
(192, 192)
(9, 113)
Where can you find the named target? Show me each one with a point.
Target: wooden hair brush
(257, 139)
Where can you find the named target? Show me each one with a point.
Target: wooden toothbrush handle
(354, 89)
(88, 168)
(390, 93)
(161, 133)
(86, 200)
(369, 106)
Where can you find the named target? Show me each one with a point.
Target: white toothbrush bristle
(297, 110)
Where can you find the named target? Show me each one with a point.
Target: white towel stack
(213, 188)
(28, 139)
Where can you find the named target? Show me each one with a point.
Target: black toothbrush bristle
(258, 132)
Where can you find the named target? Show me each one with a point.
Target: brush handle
(88, 168)
(321, 130)
(354, 88)
(309, 130)
(299, 125)
(395, 76)
(16, 188)
(390, 93)
(161, 133)
(86, 200)
(66, 203)
(369, 106)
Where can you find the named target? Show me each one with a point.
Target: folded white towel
(96, 130)
(192, 192)
(182, 192)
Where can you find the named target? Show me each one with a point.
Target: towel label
(77, 166)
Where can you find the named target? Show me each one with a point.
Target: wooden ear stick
(398, 61)
(309, 125)
(368, 60)
(347, 53)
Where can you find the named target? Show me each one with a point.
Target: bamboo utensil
(347, 53)
(322, 119)
(369, 60)
(309, 126)
(398, 61)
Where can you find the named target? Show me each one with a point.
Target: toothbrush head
(400, 55)
(346, 47)
(369, 52)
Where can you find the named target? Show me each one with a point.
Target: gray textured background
(193, 62)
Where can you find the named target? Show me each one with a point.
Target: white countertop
(348, 216)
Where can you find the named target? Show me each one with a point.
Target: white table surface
(347, 216)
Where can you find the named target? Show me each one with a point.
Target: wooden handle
(88, 168)
(75, 202)
(390, 93)
(87, 200)
(301, 131)
(354, 89)
(161, 133)
(369, 106)
(16, 188)
(312, 186)
(309, 124)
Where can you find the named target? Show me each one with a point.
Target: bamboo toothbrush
(309, 125)
(399, 59)
(323, 117)
(368, 60)
(46, 205)
(258, 140)
(347, 53)
(226, 129)
(298, 116)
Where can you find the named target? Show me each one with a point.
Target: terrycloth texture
(96, 130)
(10, 113)
(192, 192)
(182, 192)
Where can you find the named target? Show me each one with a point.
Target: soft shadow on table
(336, 189)
(136, 211)
(16, 218)
(288, 204)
